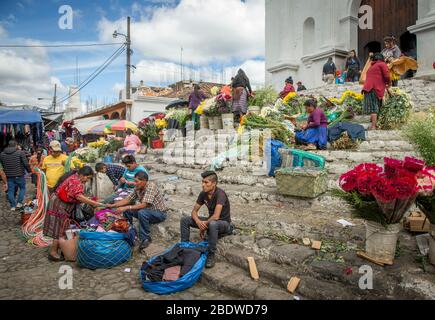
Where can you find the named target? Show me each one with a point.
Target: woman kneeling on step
(315, 134)
(68, 192)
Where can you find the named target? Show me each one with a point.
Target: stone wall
(422, 92)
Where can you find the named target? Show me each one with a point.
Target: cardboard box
(417, 222)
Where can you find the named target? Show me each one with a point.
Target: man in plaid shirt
(114, 171)
(147, 204)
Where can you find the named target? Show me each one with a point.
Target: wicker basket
(302, 182)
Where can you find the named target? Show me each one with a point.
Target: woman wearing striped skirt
(241, 90)
(68, 192)
(378, 80)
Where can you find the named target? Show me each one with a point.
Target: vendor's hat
(55, 145)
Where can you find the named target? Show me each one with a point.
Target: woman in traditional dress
(68, 192)
(287, 88)
(195, 99)
(315, 134)
(378, 79)
(353, 67)
(241, 90)
(391, 53)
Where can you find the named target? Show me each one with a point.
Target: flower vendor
(132, 142)
(392, 52)
(288, 88)
(315, 134)
(378, 79)
(195, 99)
(241, 88)
(68, 192)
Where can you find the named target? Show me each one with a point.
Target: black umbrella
(178, 104)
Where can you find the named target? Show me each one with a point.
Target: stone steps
(278, 261)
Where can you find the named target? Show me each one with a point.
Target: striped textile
(372, 103)
(240, 105)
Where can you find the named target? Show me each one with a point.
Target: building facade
(301, 35)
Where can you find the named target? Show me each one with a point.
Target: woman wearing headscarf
(391, 53)
(241, 89)
(195, 99)
(378, 80)
(288, 88)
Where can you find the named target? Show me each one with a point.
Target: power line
(104, 63)
(58, 45)
(116, 54)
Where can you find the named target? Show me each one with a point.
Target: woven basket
(301, 182)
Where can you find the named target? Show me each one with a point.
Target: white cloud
(209, 31)
(25, 75)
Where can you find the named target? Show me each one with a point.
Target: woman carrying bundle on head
(68, 192)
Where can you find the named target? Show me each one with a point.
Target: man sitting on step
(219, 221)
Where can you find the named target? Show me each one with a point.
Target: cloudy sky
(217, 38)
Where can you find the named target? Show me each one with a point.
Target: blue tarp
(19, 117)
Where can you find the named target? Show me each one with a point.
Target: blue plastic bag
(102, 250)
(273, 156)
(183, 283)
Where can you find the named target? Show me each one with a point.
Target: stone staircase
(281, 257)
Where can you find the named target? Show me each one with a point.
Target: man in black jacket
(15, 165)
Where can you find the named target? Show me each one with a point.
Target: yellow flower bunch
(200, 109)
(97, 145)
(348, 93)
(290, 96)
(161, 123)
(77, 163)
(240, 130)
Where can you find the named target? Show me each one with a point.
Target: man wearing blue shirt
(132, 168)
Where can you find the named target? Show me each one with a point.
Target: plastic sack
(102, 250)
(183, 283)
(273, 156)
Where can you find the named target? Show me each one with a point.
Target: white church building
(302, 34)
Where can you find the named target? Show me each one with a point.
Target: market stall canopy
(83, 125)
(19, 117)
(122, 126)
(101, 127)
(178, 104)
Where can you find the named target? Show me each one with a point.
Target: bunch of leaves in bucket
(396, 110)
(149, 132)
(385, 194)
(179, 117)
(279, 130)
(263, 97)
(421, 133)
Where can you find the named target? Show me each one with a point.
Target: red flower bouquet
(394, 188)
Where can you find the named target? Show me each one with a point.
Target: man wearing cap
(219, 221)
(54, 164)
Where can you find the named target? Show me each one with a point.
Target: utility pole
(181, 64)
(54, 98)
(128, 60)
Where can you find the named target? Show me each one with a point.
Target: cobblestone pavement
(26, 273)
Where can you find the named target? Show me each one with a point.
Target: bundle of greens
(396, 110)
(421, 133)
(264, 97)
(180, 115)
(111, 147)
(279, 130)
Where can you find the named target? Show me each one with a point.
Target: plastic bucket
(203, 121)
(381, 242)
(432, 244)
(108, 159)
(228, 121)
(218, 123)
